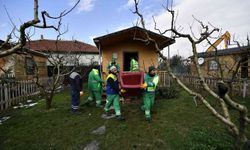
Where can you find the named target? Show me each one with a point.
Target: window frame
(29, 66)
(213, 65)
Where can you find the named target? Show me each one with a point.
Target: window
(213, 65)
(29, 65)
(115, 55)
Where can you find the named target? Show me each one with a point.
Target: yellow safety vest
(111, 76)
(155, 81)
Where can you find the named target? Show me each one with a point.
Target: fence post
(16, 95)
(6, 95)
(244, 88)
(18, 92)
(1, 97)
(10, 94)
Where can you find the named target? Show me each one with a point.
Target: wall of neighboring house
(84, 59)
(7, 66)
(146, 54)
(25, 67)
(228, 64)
(22, 67)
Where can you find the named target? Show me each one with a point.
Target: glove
(143, 86)
(81, 93)
(123, 91)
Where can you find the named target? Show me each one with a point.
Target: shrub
(168, 92)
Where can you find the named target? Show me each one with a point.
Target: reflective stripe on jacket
(152, 82)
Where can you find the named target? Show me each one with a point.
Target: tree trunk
(230, 88)
(241, 138)
(50, 98)
(48, 103)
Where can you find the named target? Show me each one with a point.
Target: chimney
(41, 37)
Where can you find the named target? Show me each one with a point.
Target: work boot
(107, 113)
(98, 106)
(76, 112)
(120, 118)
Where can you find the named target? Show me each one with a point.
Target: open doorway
(127, 56)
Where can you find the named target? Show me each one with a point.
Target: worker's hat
(151, 68)
(112, 68)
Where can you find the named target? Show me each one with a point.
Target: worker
(134, 66)
(75, 90)
(113, 63)
(149, 86)
(112, 91)
(95, 86)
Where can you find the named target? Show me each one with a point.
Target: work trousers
(75, 99)
(148, 103)
(115, 100)
(95, 95)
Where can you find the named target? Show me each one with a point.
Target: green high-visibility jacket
(151, 82)
(134, 66)
(94, 80)
(116, 65)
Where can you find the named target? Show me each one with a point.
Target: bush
(168, 92)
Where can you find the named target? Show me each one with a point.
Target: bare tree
(36, 23)
(24, 36)
(238, 131)
(58, 61)
(49, 86)
(62, 65)
(229, 71)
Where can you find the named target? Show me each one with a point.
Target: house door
(127, 56)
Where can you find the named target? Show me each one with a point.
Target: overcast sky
(93, 18)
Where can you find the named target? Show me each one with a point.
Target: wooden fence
(239, 87)
(15, 92)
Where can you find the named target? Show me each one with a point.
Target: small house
(72, 52)
(126, 44)
(22, 66)
(228, 59)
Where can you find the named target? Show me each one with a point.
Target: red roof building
(74, 46)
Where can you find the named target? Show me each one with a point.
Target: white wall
(73, 59)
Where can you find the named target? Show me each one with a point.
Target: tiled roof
(7, 45)
(46, 45)
(229, 51)
(131, 33)
(24, 50)
(1, 41)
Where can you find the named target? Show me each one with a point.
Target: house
(22, 66)
(228, 59)
(123, 45)
(73, 53)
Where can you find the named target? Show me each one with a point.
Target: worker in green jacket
(113, 63)
(150, 83)
(134, 66)
(94, 87)
(112, 91)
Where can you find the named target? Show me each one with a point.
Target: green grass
(177, 124)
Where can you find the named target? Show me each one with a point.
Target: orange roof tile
(46, 45)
